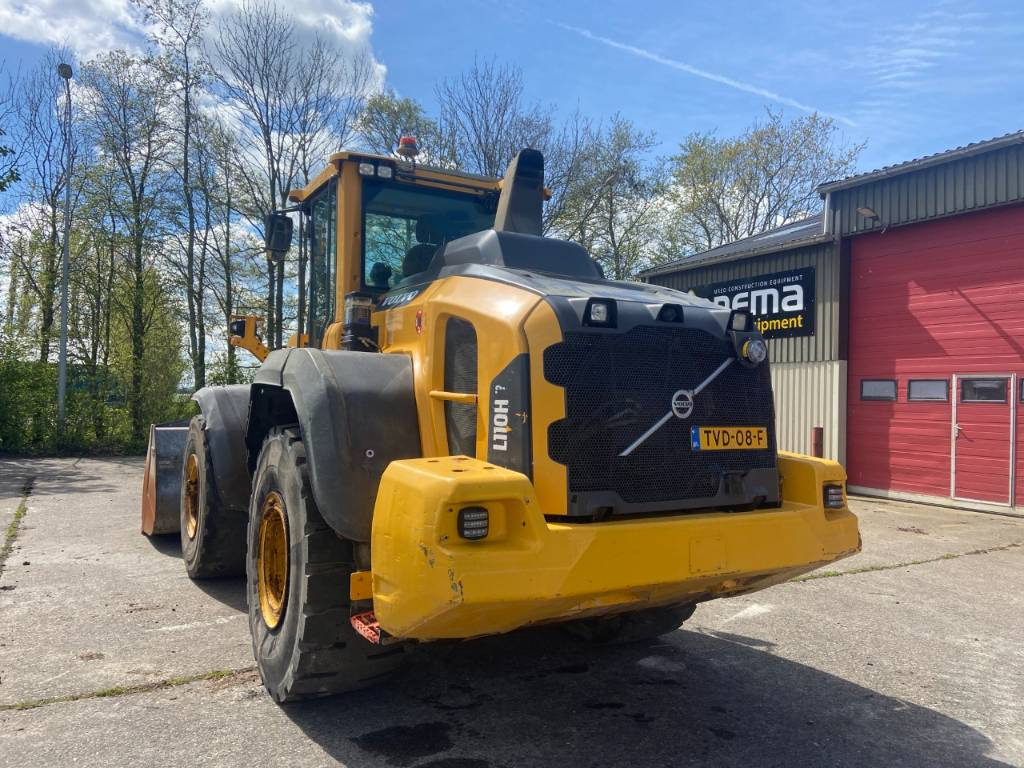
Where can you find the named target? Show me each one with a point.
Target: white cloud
(91, 27)
(907, 62)
(682, 66)
(88, 27)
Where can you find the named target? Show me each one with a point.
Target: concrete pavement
(910, 654)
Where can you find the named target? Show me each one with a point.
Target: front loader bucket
(161, 484)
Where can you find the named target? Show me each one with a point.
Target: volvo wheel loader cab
(474, 431)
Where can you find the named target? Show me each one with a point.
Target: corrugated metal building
(808, 370)
(892, 323)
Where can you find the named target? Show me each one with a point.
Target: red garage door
(982, 437)
(933, 306)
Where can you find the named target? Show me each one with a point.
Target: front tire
(212, 535)
(297, 588)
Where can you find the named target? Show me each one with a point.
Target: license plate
(728, 438)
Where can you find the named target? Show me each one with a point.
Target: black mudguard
(356, 412)
(226, 410)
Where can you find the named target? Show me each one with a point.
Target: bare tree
(485, 118)
(18, 331)
(330, 93)
(727, 189)
(230, 251)
(294, 100)
(8, 154)
(568, 167)
(126, 113)
(41, 133)
(177, 30)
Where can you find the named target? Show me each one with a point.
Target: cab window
(403, 226)
(322, 262)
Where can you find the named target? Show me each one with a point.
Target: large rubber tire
(637, 626)
(212, 535)
(313, 650)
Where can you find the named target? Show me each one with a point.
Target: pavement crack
(14, 527)
(907, 563)
(129, 690)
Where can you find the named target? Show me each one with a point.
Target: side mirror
(277, 235)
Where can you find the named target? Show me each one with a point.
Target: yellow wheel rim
(272, 560)
(191, 495)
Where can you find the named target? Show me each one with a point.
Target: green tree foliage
(612, 208)
(387, 117)
(163, 361)
(133, 138)
(97, 417)
(725, 189)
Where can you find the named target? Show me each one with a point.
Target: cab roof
(416, 172)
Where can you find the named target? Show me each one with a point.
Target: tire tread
(221, 542)
(328, 656)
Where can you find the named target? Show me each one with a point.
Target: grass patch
(14, 526)
(127, 690)
(905, 564)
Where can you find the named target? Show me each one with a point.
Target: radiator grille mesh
(617, 385)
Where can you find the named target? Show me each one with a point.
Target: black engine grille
(617, 385)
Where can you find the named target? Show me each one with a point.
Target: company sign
(782, 303)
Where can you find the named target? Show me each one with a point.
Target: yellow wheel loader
(474, 431)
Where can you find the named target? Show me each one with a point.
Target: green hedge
(97, 418)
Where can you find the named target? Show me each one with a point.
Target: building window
(935, 390)
(983, 391)
(1022, 390)
(877, 389)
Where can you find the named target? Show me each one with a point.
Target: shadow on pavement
(66, 475)
(167, 544)
(536, 698)
(229, 591)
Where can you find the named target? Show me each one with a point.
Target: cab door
(322, 262)
(983, 430)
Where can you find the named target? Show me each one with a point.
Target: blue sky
(909, 78)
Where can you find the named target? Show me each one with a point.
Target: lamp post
(64, 70)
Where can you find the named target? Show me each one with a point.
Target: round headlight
(755, 351)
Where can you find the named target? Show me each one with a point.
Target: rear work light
(474, 523)
(741, 321)
(671, 313)
(600, 313)
(834, 496)
(384, 171)
(366, 169)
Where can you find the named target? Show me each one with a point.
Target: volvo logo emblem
(682, 407)
(682, 403)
